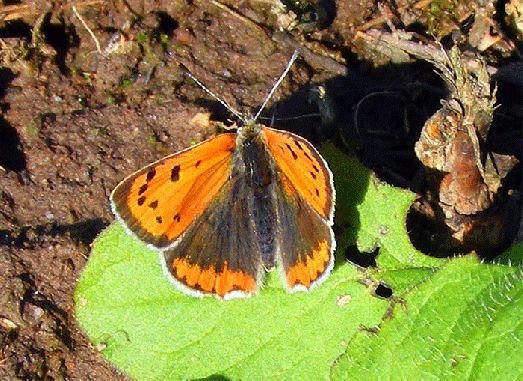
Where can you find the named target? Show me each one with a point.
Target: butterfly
(225, 211)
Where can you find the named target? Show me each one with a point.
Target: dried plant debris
(473, 24)
(514, 10)
(464, 179)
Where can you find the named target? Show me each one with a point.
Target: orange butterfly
(226, 210)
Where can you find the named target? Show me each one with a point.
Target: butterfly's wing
(305, 208)
(159, 202)
(305, 170)
(305, 241)
(218, 253)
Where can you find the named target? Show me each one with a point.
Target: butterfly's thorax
(257, 167)
(255, 157)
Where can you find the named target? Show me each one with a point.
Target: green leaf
(376, 213)
(383, 215)
(461, 323)
(513, 256)
(449, 318)
(452, 318)
(153, 332)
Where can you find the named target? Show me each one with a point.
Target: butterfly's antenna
(277, 83)
(225, 104)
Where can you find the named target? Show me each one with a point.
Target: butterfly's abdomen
(260, 201)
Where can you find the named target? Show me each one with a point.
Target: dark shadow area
(166, 25)
(377, 288)
(427, 234)
(317, 16)
(12, 157)
(313, 16)
(508, 29)
(16, 29)
(362, 259)
(6, 76)
(35, 297)
(505, 134)
(376, 117)
(62, 38)
(383, 291)
(218, 112)
(83, 233)
(214, 378)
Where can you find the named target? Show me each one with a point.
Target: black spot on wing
(154, 204)
(294, 155)
(142, 189)
(307, 155)
(141, 201)
(151, 174)
(298, 144)
(175, 173)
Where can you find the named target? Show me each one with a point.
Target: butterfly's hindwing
(305, 241)
(219, 252)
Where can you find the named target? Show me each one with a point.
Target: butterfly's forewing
(218, 253)
(159, 202)
(305, 202)
(306, 170)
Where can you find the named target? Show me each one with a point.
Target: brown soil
(76, 120)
